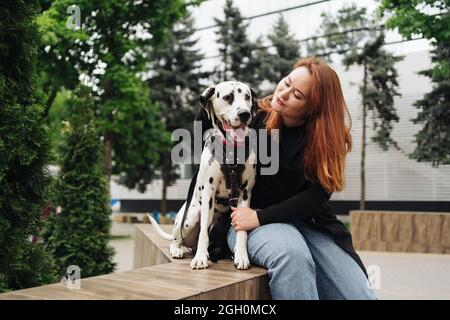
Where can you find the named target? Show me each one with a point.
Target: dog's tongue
(233, 134)
(239, 135)
(236, 134)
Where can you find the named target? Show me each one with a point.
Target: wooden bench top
(172, 280)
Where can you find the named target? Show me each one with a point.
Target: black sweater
(286, 196)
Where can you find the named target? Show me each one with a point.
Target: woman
(293, 233)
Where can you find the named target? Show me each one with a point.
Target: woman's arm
(203, 117)
(304, 204)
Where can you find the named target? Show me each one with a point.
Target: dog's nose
(244, 115)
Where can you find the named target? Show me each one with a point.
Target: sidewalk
(411, 275)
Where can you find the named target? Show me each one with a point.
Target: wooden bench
(158, 276)
(401, 231)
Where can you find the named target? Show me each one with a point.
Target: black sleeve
(206, 123)
(306, 203)
(203, 117)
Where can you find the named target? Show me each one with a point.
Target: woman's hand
(244, 219)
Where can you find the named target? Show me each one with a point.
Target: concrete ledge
(401, 231)
(159, 277)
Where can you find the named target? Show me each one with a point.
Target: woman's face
(290, 98)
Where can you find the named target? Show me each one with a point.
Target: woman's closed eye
(296, 93)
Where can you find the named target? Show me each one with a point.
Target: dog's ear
(206, 95)
(204, 99)
(254, 108)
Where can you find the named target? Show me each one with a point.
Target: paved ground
(124, 245)
(402, 275)
(124, 254)
(411, 275)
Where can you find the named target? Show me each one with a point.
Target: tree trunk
(107, 156)
(108, 139)
(362, 200)
(49, 102)
(226, 59)
(166, 167)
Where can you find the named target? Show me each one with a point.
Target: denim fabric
(304, 263)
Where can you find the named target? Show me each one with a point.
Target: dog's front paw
(200, 261)
(241, 260)
(176, 251)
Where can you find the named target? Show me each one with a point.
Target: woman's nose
(285, 93)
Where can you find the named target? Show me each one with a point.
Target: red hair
(328, 136)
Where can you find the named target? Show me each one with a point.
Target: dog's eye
(247, 97)
(227, 97)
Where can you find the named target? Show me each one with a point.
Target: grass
(347, 225)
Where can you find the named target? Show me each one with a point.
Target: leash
(233, 171)
(218, 248)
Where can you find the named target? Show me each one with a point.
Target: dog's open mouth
(234, 133)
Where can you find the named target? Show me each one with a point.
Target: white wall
(391, 175)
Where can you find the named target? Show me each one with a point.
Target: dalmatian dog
(230, 107)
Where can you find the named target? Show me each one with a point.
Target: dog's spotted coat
(230, 105)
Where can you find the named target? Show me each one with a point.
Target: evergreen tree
(379, 86)
(286, 51)
(236, 50)
(316, 47)
(408, 17)
(174, 85)
(264, 70)
(340, 39)
(433, 140)
(24, 153)
(78, 233)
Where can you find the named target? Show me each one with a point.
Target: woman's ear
(254, 108)
(204, 99)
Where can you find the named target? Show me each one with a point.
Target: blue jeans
(304, 263)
